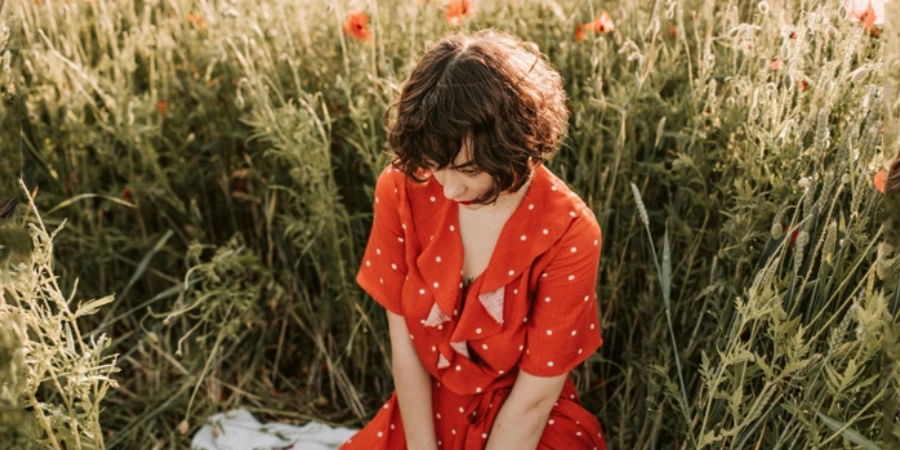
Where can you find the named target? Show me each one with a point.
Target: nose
(453, 190)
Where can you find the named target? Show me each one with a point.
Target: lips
(466, 202)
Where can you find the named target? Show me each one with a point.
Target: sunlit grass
(214, 164)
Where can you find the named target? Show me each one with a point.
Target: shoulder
(555, 217)
(583, 228)
(389, 181)
(582, 235)
(395, 182)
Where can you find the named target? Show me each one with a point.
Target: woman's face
(462, 180)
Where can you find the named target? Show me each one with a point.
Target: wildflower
(196, 21)
(357, 25)
(673, 31)
(161, 109)
(775, 63)
(794, 234)
(579, 33)
(870, 12)
(126, 194)
(458, 10)
(879, 181)
(603, 23)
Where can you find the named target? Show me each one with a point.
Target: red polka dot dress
(533, 309)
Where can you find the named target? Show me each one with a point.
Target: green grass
(214, 165)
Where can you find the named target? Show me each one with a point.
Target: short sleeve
(383, 268)
(563, 328)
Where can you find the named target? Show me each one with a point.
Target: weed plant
(213, 162)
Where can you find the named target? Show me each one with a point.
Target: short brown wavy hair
(491, 87)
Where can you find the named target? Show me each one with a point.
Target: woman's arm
(523, 416)
(559, 335)
(413, 385)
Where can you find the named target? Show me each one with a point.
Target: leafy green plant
(214, 163)
(49, 368)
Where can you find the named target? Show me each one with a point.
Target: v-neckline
(500, 238)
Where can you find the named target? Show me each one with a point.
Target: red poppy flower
(161, 109)
(775, 63)
(793, 234)
(870, 12)
(579, 33)
(196, 21)
(603, 23)
(673, 31)
(879, 181)
(458, 10)
(357, 25)
(126, 194)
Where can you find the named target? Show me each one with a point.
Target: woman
(484, 260)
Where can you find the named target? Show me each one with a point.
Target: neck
(512, 199)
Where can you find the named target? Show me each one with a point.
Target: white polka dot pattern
(558, 330)
(563, 330)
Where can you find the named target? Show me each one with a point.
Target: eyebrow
(468, 163)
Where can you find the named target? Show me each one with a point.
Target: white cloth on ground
(239, 430)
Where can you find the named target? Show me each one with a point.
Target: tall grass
(49, 367)
(214, 164)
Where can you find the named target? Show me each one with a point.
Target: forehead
(465, 151)
(459, 154)
(464, 156)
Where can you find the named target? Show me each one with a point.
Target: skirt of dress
(463, 422)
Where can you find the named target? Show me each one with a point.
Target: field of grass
(202, 171)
